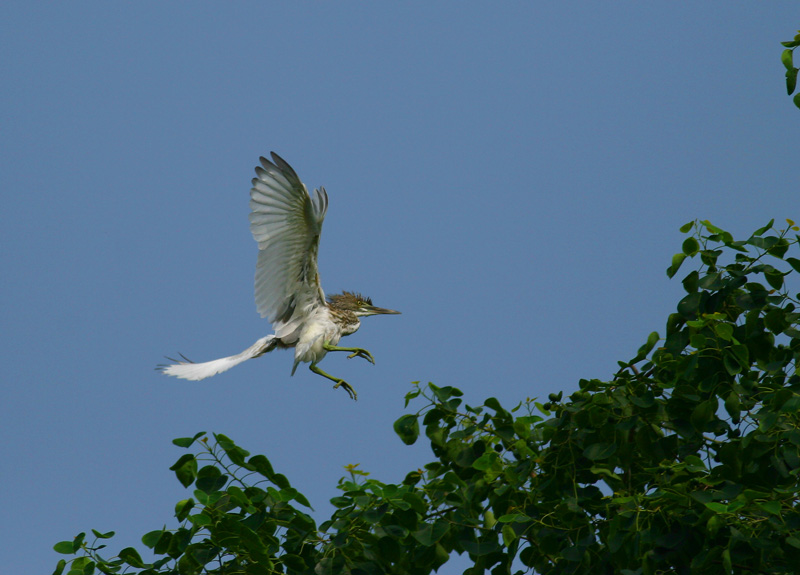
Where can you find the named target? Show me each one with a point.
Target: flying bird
(286, 222)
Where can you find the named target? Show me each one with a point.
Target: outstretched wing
(286, 222)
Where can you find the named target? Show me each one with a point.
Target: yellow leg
(339, 382)
(357, 351)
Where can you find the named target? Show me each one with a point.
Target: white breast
(315, 332)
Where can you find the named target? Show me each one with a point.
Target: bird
(286, 223)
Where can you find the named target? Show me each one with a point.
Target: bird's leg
(339, 382)
(357, 351)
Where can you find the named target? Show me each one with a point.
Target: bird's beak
(380, 310)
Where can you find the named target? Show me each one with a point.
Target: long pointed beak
(380, 310)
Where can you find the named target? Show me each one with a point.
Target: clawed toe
(362, 353)
(348, 388)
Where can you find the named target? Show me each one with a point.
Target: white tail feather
(198, 371)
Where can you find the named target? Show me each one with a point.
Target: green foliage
(685, 461)
(787, 58)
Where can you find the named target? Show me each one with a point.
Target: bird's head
(357, 304)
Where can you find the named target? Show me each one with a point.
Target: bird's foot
(357, 351)
(348, 388)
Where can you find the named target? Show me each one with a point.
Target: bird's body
(287, 222)
(326, 324)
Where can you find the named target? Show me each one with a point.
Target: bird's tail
(197, 371)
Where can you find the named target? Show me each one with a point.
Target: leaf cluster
(241, 518)
(787, 58)
(685, 461)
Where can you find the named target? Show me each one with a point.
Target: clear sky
(509, 175)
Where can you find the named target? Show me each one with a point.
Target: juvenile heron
(286, 222)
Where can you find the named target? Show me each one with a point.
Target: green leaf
(795, 263)
(131, 556)
(493, 403)
(529, 556)
(210, 479)
(724, 331)
(301, 499)
(99, 535)
(183, 508)
(281, 481)
(791, 405)
(791, 81)
(81, 566)
(689, 306)
(731, 364)
(479, 548)
(513, 517)
(78, 542)
(763, 243)
(761, 230)
(712, 228)
(262, 466)
(200, 520)
(187, 441)
(293, 562)
(742, 357)
(652, 340)
(413, 393)
(727, 564)
(236, 454)
(713, 525)
(772, 507)
(690, 282)
(704, 413)
(445, 393)
(185, 469)
(733, 406)
(690, 246)
(407, 427)
(485, 461)
(686, 227)
(717, 507)
(774, 277)
(677, 260)
(605, 472)
(60, 567)
(775, 320)
(416, 502)
(509, 535)
(786, 59)
(697, 340)
(796, 99)
(430, 533)
(694, 464)
(64, 547)
(341, 501)
(573, 554)
(599, 451)
(151, 538)
(163, 543)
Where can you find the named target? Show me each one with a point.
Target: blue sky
(510, 176)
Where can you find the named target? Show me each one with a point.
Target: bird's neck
(347, 321)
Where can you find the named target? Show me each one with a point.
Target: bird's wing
(286, 222)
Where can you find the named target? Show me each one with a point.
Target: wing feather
(286, 222)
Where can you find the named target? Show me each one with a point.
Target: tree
(686, 461)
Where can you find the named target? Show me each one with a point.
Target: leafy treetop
(685, 461)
